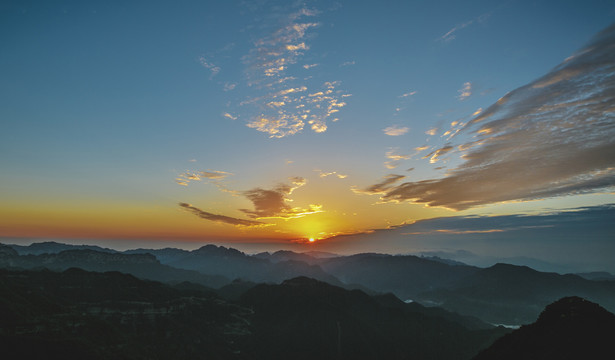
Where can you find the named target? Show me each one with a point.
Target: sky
(281, 122)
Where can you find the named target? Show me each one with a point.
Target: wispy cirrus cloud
(222, 218)
(188, 176)
(452, 33)
(552, 137)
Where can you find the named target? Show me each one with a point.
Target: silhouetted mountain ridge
(312, 319)
(570, 328)
(144, 266)
(52, 247)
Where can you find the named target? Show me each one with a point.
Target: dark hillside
(570, 328)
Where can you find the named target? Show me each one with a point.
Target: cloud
(188, 176)
(431, 132)
(207, 64)
(274, 203)
(451, 34)
(434, 156)
(348, 63)
(229, 86)
(395, 158)
(323, 174)
(229, 116)
(408, 94)
(382, 187)
(300, 46)
(214, 174)
(280, 106)
(465, 92)
(552, 137)
(395, 130)
(392, 154)
(221, 218)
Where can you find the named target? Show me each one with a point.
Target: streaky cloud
(221, 218)
(452, 33)
(188, 176)
(552, 137)
(382, 187)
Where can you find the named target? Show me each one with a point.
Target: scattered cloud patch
(274, 203)
(281, 106)
(465, 92)
(229, 116)
(209, 65)
(395, 130)
(431, 132)
(324, 174)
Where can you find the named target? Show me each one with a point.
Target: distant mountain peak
(210, 249)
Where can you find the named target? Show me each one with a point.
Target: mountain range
(500, 294)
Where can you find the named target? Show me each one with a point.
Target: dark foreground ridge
(571, 328)
(76, 314)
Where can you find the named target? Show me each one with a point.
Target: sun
(311, 239)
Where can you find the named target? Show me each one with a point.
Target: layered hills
(500, 294)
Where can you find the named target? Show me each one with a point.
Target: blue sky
(283, 121)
